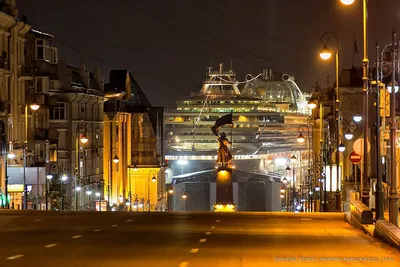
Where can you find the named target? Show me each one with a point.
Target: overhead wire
(219, 39)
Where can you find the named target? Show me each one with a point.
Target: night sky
(167, 44)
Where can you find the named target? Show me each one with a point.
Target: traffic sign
(354, 157)
(352, 127)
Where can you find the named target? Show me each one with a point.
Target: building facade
(56, 149)
(134, 164)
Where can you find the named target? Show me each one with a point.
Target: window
(42, 50)
(59, 112)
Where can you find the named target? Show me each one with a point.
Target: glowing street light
(300, 138)
(325, 53)
(84, 139)
(311, 104)
(357, 117)
(348, 135)
(34, 106)
(347, 2)
(115, 159)
(341, 147)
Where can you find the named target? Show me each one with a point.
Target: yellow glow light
(347, 2)
(325, 53)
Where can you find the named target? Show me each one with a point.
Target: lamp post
(153, 179)
(365, 87)
(88, 193)
(184, 197)
(293, 159)
(326, 54)
(34, 106)
(99, 199)
(285, 183)
(301, 139)
(115, 159)
(83, 139)
(64, 178)
(393, 198)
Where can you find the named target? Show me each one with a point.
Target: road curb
(388, 232)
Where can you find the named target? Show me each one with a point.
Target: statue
(224, 155)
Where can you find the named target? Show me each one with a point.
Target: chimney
(99, 80)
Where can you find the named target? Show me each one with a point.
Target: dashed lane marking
(37, 220)
(208, 233)
(212, 227)
(96, 230)
(306, 219)
(194, 250)
(218, 220)
(76, 236)
(15, 257)
(50, 245)
(203, 240)
(114, 225)
(183, 264)
(129, 220)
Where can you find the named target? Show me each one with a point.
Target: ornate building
(134, 144)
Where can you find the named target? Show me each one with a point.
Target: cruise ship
(267, 111)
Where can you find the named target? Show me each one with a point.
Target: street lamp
(325, 39)
(348, 135)
(357, 117)
(183, 201)
(88, 193)
(82, 138)
(110, 173)
(64, 178)
(293, 160)
(312, 104)
(153, 179)
(365, 80)
(34, 106)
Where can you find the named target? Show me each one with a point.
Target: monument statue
(224, 155)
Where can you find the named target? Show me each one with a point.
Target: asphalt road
(102, 239)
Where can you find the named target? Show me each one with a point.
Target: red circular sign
(354, 157)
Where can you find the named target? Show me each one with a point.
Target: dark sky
(167, 44)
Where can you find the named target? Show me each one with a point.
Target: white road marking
(15, 257)
(129, 220)
(96, 230)
(37, 220)
(208, 233)
(194, 250)
(306, 219)
(203, 240)
(76, 236)
(218, 220)
(212, 227)
(114, 225)
(183, 264)
(50, 245)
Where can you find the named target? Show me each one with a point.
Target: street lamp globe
(281, 196)
(97, 194)
(347, 2)
(389, 88)
(64, 177)
(285, 181)
(49, 176)
(184, 196)
(171, 191)
(154, 179)
(84, 139)
(348, 135)
(115, 159)
(89, 192)
(357, 118)
(282, 190)
(78, 188)
(293, 159)
(325, 53)
(34, 105)
(341, 147)
(300, 138)
(11, 155)
(311, 104)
